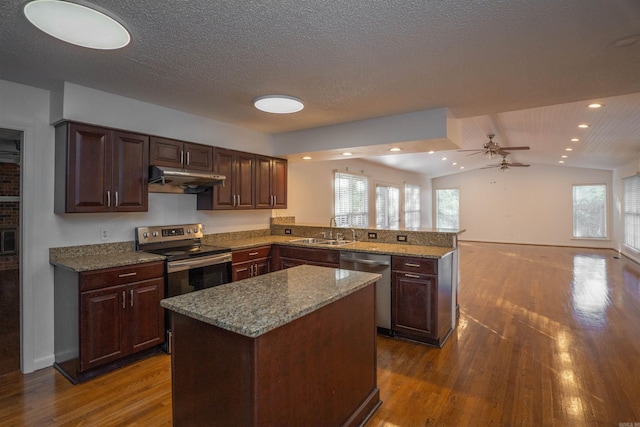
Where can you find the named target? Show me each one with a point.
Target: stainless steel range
(190, 265)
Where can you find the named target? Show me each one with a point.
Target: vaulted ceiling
(521, 69)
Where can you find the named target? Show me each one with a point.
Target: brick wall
(9, 211)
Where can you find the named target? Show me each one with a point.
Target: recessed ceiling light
(444, 158)
(560, 161)
(454, 163)
(306, 158)
(395, 149)
(583, 125)
(347, 154)
(77, 24)
(568, 149)
(461, 167)
(595, 105)
(575, 139)
(278, 104)
(564, 157)
(431, 152)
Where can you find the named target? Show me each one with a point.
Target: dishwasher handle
(366, 261)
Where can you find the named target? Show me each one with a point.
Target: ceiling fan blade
(519, 165)
(514, 148)
(490, 167)
(473, 149)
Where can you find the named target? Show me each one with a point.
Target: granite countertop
(254, 306)
(82, 263)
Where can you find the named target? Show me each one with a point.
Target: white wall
(311, 189)
(28, 109)
(530, 206)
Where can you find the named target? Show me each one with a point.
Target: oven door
(195, 274)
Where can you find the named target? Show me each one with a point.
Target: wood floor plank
(547, 337)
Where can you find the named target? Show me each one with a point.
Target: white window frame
(437, 208)
(408, 208)
(345, 216)
(631, 213)
(577, 212)
(387, 221)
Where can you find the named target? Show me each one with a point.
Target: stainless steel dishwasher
(374, 263)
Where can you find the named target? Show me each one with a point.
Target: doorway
(10, 158)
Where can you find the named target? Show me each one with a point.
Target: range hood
(173, 180)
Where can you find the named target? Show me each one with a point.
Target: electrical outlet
(402, 237)
(104, 234)
(287, 231)
(372, 235)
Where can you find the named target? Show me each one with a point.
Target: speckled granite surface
(109, 260)
(252, 307)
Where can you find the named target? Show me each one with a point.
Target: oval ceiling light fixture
(583, 125)
(395, 149)
(278, 104)
(595, 105)
(575, 139)
(77, 24)
(306, 158)
(347, 154)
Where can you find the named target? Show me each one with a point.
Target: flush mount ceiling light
(347, 154)
(395, 149)
(306, 158)
(575, 139)
(595, 105)
(583, 125)
(77, 24)
(278, 104)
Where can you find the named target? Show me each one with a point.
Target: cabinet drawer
(250, 254)
(119, 275)
(314, 255)
(415, 265)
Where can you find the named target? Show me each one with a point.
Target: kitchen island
(294, 347)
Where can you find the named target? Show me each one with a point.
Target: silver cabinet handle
(242, 269)
(131, 296)
(275, 200)
(127, 274)
(253, 253)
(412, 276)
(124, 297)
(116, 205)
(181, 157)
(238, 200)
(188, 158)
(108, 198)
(408, 264)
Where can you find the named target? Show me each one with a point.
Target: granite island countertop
(254, 306)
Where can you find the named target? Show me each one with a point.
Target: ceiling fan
(505, 165)
(492, 148)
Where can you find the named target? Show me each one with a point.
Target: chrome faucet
(332, 221)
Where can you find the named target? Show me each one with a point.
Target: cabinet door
(130, 179)
(145, 317)
(88, 168)
(263, 182)
(290, 262)
(223, 193)
(414, 299)
(166, 152)
(102, 338)
(241, 271)
(262, 266)
(279, 183)
(198, 157)
(244, 174)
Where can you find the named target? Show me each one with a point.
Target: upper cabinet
(237, 192)
(100, 170)
(271, 183)
(180, 154)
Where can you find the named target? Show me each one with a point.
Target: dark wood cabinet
(289, 256)
(115, 312)
(421, 295)
(237, 192)
(180, 154)
(100, 170)
(250, 263)
(271, 183)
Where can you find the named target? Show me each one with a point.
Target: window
(387, 207)
(631, 201)
(411, 206)
(589, 211)
(351, 200)
(447, 208)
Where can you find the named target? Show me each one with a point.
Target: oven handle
(174, 266)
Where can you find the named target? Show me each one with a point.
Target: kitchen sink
(315, 241)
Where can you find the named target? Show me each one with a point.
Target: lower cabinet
(289, 256)
(250, 263)
(115, 318)
(421, 296)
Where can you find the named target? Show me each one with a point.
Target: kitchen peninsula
(293, 347)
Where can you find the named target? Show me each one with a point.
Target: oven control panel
(158, 234)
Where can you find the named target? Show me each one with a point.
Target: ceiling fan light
(77, 24)
(278, 104)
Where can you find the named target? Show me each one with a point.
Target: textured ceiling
(351, 60)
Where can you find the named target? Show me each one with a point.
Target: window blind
(387, 207)
(411, 206)
(631, 202)
(351, 200)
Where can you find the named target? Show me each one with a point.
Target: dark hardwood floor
(547, 337)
